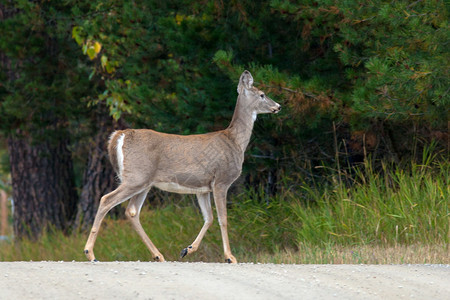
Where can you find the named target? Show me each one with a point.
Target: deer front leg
(220, 199)
(205, 206)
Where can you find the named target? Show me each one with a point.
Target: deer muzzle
(276, 109)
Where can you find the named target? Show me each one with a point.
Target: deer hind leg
(108, 201)
(220, 199)
(205, 206)
(132, 212)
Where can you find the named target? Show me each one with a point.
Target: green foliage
(157, 64)
(45, 79)
(173, 67)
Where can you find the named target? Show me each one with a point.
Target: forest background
(364, 87)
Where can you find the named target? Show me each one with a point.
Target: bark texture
(43, 187)
(41, 167)
(99, 177)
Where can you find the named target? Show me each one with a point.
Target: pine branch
(308, 94)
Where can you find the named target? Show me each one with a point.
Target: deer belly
(177, 188)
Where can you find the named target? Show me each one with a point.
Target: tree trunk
(43, 185)
(99, 177)
(42, 178)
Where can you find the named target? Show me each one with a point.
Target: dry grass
(401, 254)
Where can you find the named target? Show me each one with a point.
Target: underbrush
(392, 215)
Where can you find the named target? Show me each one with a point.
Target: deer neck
(241, 126)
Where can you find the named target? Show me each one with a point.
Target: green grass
(393, 215)
(390, 207)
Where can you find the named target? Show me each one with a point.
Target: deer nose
(276, 109)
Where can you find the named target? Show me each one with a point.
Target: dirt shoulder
(174, 280)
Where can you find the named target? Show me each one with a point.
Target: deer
(198, 164)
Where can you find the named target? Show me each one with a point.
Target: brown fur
(189, 164)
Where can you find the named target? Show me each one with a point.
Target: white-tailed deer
(191, 164)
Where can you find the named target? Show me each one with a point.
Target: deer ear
(245, 82)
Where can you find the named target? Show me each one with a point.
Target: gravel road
(175, 280)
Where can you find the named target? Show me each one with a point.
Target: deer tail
(115, 151)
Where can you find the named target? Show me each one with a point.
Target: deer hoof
(185, 251)
(159, 258)
(231, 260)
(90, 256)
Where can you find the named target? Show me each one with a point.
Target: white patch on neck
(254, 115)
(120, 155)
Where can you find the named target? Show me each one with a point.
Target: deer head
(254, 100)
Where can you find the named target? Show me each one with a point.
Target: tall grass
(403, 210)
(392, 215)
(390, 207)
